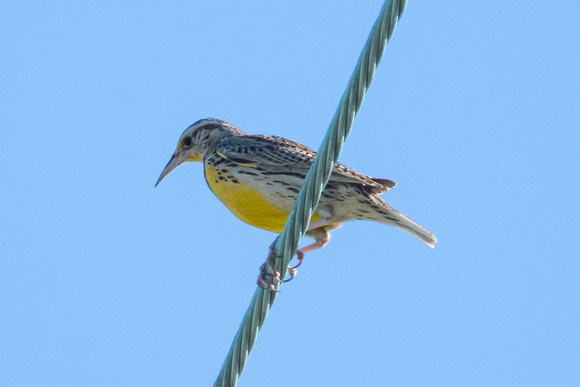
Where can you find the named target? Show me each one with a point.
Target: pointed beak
(173, 163)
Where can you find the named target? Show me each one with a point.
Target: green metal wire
(309, 196)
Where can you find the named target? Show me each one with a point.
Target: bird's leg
(319, 223)
(322, 237)
(320, 243)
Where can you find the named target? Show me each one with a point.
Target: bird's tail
(395, 218)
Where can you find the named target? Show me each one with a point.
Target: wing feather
(278, 154)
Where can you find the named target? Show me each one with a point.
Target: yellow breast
(248, 204)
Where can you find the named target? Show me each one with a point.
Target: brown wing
(278, 154)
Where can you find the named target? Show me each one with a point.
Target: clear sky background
(106, 280)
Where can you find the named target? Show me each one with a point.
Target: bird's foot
(292, 270)
(268, 269)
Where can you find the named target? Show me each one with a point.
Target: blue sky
(106, 280)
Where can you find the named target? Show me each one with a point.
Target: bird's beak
(174, 162)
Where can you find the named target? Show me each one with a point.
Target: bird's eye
(187, 141)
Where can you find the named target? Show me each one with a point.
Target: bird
(258, 177)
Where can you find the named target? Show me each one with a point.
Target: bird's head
(197, 140)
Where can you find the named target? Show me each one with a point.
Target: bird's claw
(300, 257)
(292, 273)
(268, 269)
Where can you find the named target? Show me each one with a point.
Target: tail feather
(404, 223)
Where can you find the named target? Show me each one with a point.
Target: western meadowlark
(258, 177)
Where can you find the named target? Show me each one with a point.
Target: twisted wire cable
(314, 183)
